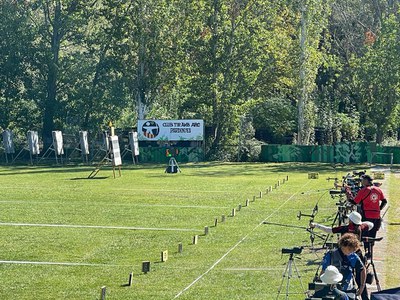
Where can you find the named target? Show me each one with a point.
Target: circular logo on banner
(374, 197)
(150, 129)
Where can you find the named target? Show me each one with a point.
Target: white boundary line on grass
(235, 246)
(99, 227)
(22, 262)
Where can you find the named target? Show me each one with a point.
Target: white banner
(171, 130)
(116, 154)
(33, 142)
(83, 141)
(8, 142)
(58, 143)
(134, 142)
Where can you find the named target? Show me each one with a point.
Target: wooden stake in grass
(233, 212)
(216, 222)
(270, 188)
(279, 182)
(239, 207)
(180, 248)
(260, 194)
(275, 186)
(222, 218)
(206, 230)
(254, 198)
(103, 292)
(145, 267)
(287, 177)
(195, 239)
(130, 279)
(164, 256)
(247, 202)
(283, 180)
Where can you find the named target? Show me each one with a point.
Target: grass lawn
(64, 236)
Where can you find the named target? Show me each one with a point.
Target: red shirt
(370, 197)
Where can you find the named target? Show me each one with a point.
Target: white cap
(355, 217)
(331, 275)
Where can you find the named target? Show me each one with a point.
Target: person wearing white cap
(355, 226)
(331, 277)
(347, 263)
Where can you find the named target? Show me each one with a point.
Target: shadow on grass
(93, 178)
(207, 169)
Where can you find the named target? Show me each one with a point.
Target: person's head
(355, 218)
(331, 275)
(349, 243)
(367, 180)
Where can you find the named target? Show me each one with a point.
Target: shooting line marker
(247, 202)
(195, 239)
(240, 207)
(164, 256)
(216, 222)
(130, 279)
(222, 218)
(261, 195)
(206, 230)
(180, 248)
(103, 292)
(145, 267)
(233, 212)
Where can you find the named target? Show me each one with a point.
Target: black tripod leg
(378, 286)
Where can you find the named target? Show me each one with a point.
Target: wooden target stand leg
(103, 162)
(119, 171)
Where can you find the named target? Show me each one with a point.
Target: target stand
(57, 146)
(132, 147)
(113, 156)
(82, 147)
(173, 166)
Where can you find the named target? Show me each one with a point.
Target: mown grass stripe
(99, 227)
(22, 262)
(236, 245)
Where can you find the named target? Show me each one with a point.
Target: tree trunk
(52, 77)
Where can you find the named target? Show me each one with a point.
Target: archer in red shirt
(372, 202)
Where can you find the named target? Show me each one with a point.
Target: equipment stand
(103, 162)
(48, 152)
(172, 166)
(371, 251)
(288, 274)
(340, 218)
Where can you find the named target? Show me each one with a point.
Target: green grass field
(64, 236)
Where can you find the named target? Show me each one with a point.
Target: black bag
(370, 277)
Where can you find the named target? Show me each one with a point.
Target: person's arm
(363, 276)
(383, 203)
(327, 229)
(360, 195)
(369, 224)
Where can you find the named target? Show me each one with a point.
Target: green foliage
(275, 117)
(377, 78)
(74, 65)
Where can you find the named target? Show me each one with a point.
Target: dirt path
(380, 248)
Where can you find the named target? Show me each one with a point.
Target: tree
(377, 78)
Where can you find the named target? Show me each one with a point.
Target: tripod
(371, 255)
(288, 274)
